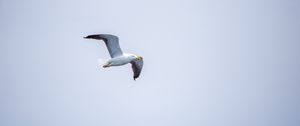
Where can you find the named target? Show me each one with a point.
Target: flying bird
(118, 58)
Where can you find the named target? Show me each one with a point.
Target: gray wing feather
(111, 42)
(137, 66)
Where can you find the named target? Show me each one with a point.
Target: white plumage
(119, 58)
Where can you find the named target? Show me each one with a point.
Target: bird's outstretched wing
(137, 66)
(111, 42)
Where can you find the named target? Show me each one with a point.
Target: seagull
(118, 58)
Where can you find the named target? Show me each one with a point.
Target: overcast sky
(206, 63)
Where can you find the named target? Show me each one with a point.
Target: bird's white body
(120, 60)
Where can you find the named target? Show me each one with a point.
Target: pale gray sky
(210, 63)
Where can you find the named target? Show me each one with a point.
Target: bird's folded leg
(103, 63)
(105, 66)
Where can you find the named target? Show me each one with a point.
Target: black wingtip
(87, 37)
(96, 36)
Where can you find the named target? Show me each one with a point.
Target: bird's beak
(139, 58)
